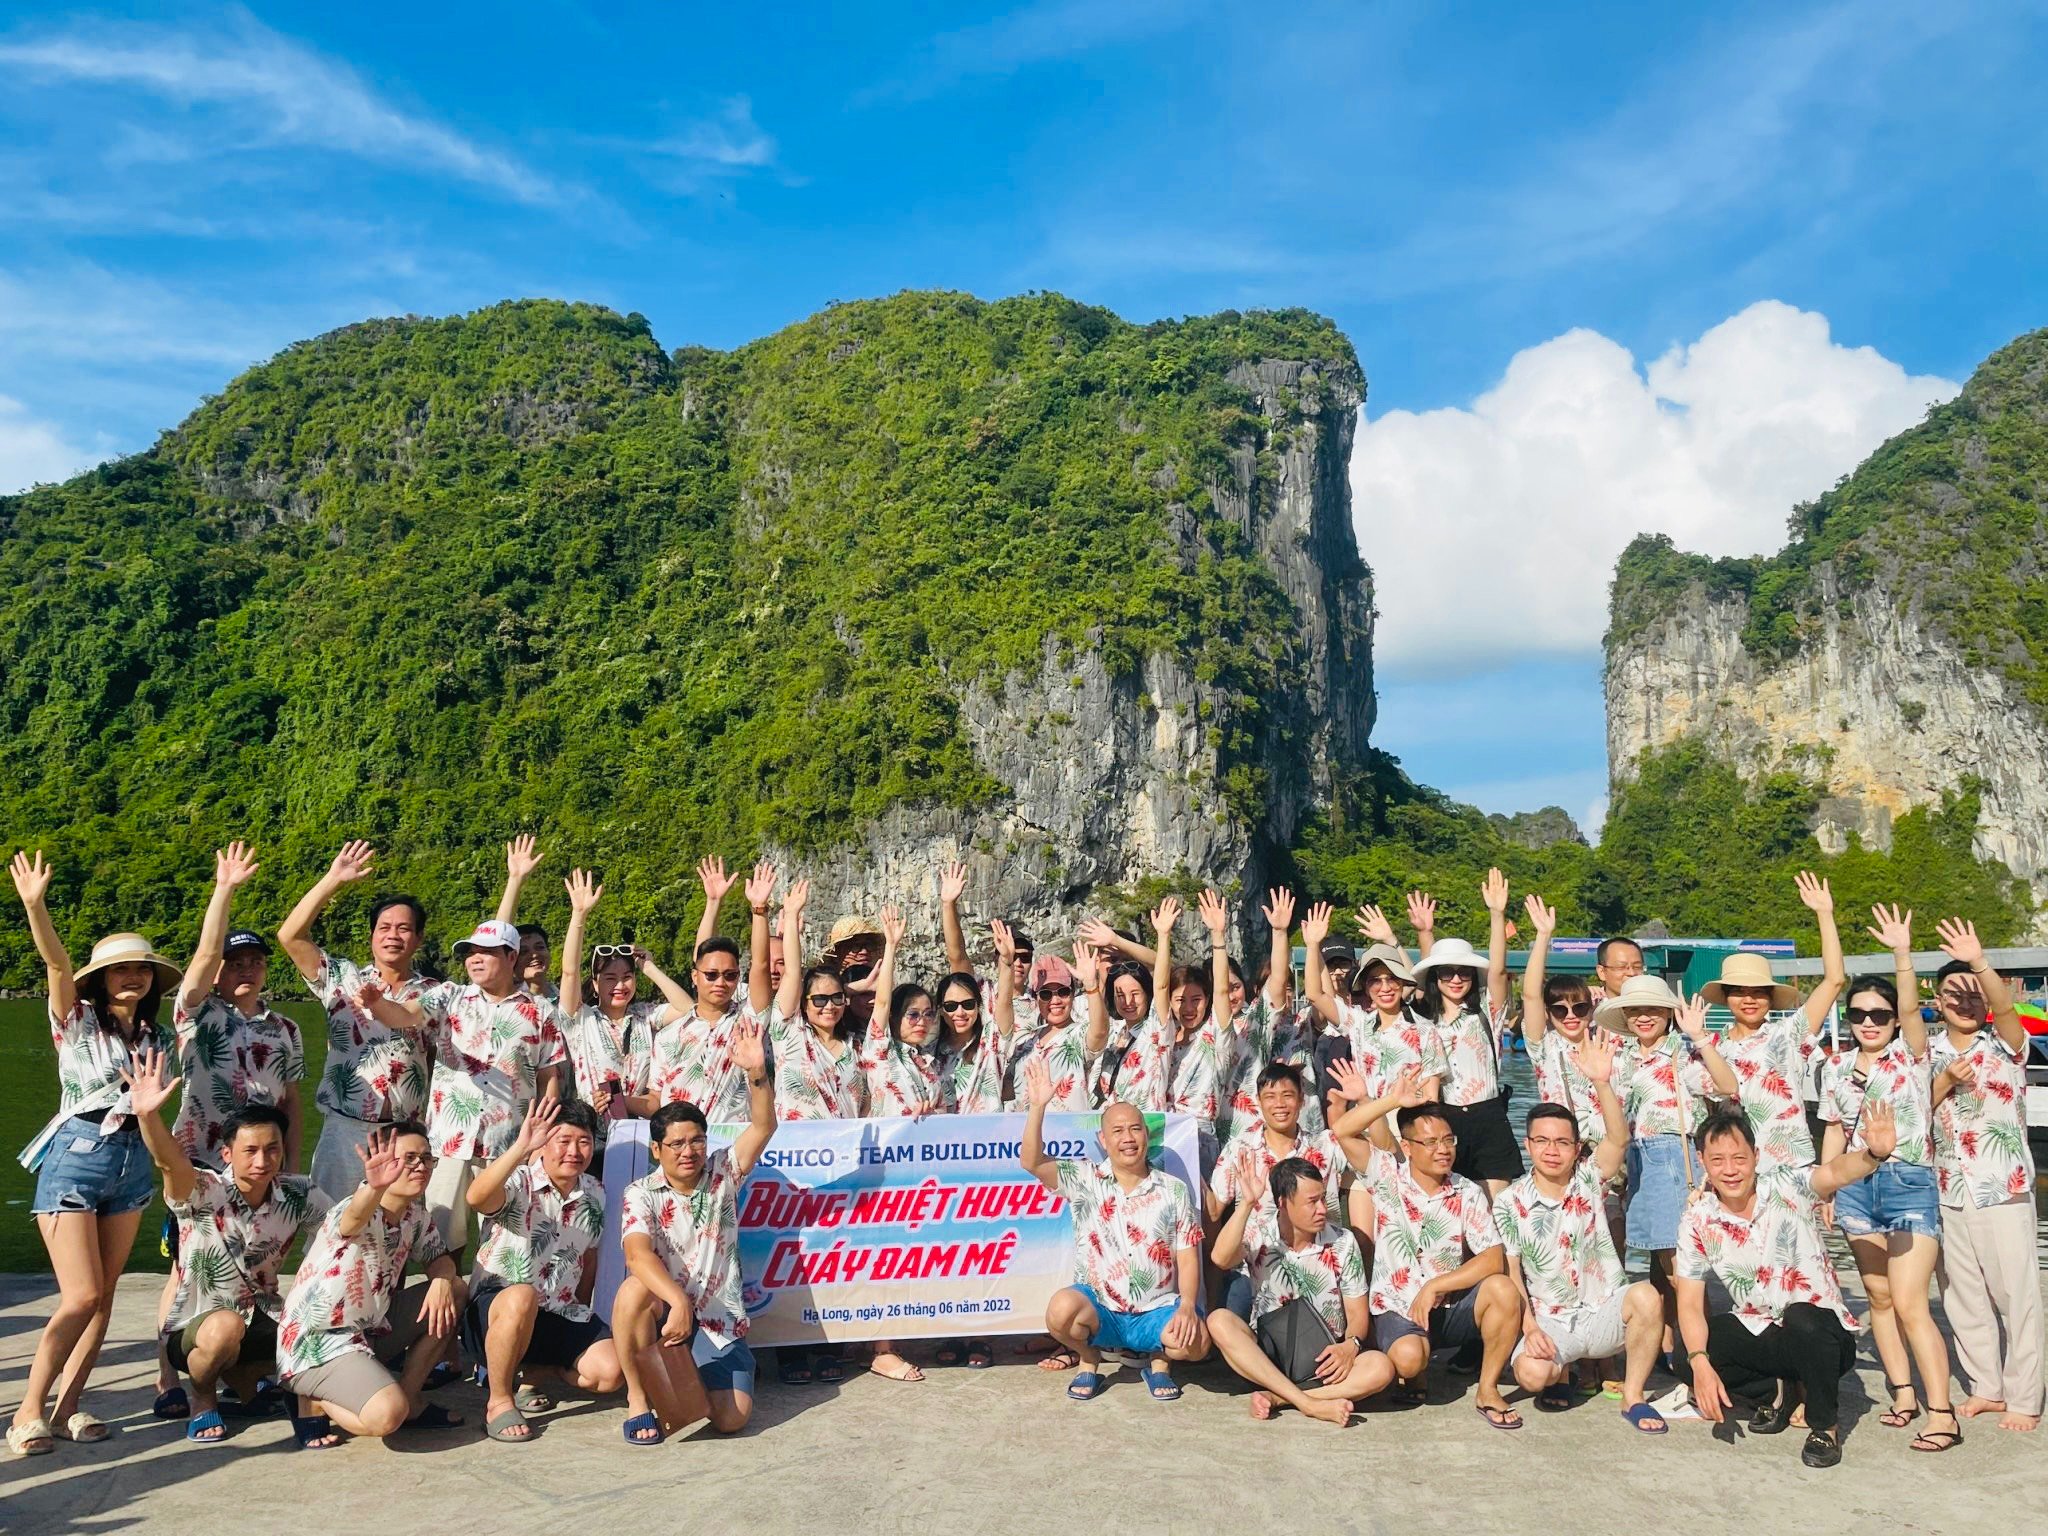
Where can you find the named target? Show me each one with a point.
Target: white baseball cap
(492, 933)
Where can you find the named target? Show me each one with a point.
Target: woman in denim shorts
(93, 1174)
(1893, 1218)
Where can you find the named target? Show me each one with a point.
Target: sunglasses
(827, 999)
(1054, 990)
(917, 1015)
(961, 1005)
(1870, 1015)
(416, 1160)
(613, 952)
(720, 975)
(1571, 1010)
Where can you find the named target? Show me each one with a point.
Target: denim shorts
(92, 1174)
(1129, 1333)
(1656, 1191)
(727, 1369)
(1899, 1197)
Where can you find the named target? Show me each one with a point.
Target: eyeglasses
(961, 1005)
(681, 1146)
(1558, 1143)
(1749, 991)
(1624, 967)
(720, 975)
(613, 952)
(1054, 990)
(1571, 1010)
(1961, 997)
(416, 1159)
(827, 999)
(917, 1015)
(1434, 1144)
(1870, 1015)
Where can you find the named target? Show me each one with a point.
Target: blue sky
(1622, 267)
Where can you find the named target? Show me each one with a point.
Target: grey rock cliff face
(1115, 780)
(1881, 710)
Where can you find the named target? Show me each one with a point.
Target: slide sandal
(1161, 1387)
(1557, 1398)
(171, 1404)
(434, 1416)
(315, 1432)
(1645, 1419)
(1084, 1386)
(499, 1427)
(197, 1427)
(635, 1428)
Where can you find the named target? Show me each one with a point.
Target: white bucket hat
(1637, 992)
(121, 948)
(1446, 953)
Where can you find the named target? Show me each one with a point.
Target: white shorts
(337, 1171)
(447, 1205)
(1591, 1334)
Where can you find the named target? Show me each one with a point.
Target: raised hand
(1165, 915)
(1959, 941)
(1595, 1056)
(1372, 922)
(1814, 892)
(232, 865)
(1215, 916)
(1494, 891)
(795, 899)
(1279, 909)
(1315, 925)
(150, 1085)
(1407, 1088)
(642, 955)
(1098, 933)
(1006, 943)
(355, 860)
(892, 923)
(1892, 927)
(1691, 1019)
(522, 858)
(539, 1124)
(1542, 916)
(952, 882)
(1349, 1081)
(1087, 966)
(1422, 912)
(379, 1157)
(1880, 1127)
(760, 885)
(31, 878)
(1037, 1082)
(584, 891)
(712, 876)
(749, 1046)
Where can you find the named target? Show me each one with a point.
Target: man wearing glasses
(1562, 1259)
(1438, 1271)
(346, 1323)
(681, 1236)
(693, 1058)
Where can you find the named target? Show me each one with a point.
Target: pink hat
(1050, 971)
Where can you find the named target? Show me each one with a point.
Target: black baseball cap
(243, 938)
(1337, 949)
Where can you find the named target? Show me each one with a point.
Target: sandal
(980, 1355)
(499, 1427)
(84, 1428)
(909, 1373)
(434, 1416)
(31, 1439)
(1499, 1418)
(791, 1369)
(1084, 1386)
(172, 1403)
(829, 1370)
(948, 1354)
(1061, 1359)
(1556, 1398)
(207, 1428)
(1896, 1417)
(532, 1400)
(1935, 1441)
(315, 1432)
(634, 1429)
(1408, 1394)
(1161, 1387)
(1645, 1419)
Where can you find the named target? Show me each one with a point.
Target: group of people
(1363, 1200)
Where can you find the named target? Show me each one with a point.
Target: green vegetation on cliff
(429, 581)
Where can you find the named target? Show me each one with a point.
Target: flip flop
(1084, 1386)
(633, 1428)
(1645, 1419)
(434, 1416)
(1499, 1418)
(197, 1426)
(1155, 1381)
(1061, 1359)
(1556, 1398)
(31, 1439)
(314, 1426)
(84, 1428)
(171, 1403)
(499, 1426)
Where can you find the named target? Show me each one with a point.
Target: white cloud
(1493, 530)
(1031, 34)
(33, 452)
(268, 89)
(732, 141)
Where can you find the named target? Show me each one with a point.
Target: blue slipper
(171, 1404)
(1084, 1386)
(434, 1416)
(316, 1426)
(642, 1421)
(199, 1423)
(1645, 1418)
(1556, 1398)
(1155, 1381)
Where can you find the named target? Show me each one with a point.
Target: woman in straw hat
(1376, 1031)
(94, 1175)
(1469, 1027)
(1767, 1044)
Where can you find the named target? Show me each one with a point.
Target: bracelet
(761, 910)
(1695, 1354)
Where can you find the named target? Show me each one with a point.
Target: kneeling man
(1138, 1243)
(681, 1232)
(529, 1296)
(1306, 1342)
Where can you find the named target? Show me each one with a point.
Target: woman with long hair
(1469, 1025)
(1374, 1029)
(93, 1173)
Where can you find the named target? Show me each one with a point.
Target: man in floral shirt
(1438, 1272)
(693, 1057)
(235, 1228)
(1138, 1248)
(1306, 1343)
(346, 1321)
(1990, 1285)
(496, 1047)
(1785, 1322)
(529, 1294)
(682, 1244)
(374, 1075)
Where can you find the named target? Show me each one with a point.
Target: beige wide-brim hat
(1451, 952)
(1743, 969)
(1637, 992)
(121, 949)
(851, 927)
(1393, 959)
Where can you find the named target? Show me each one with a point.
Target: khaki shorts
(259, 1341)
(349, 1381)
(447, 1202)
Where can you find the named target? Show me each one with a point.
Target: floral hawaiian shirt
(1895, 1078)
(812, 1082)
(90, 1061)
(1768, 1260)
(539, 1237)
(1323, 1272)
(1065, 1052)
(1652, 1082)
(600, 1048)
(1125, 1239)
(1138, 1064)
(971, 1081)
(229, 1251)
(1382, 1052)
(1566, 1252)
(1471, 1048)
(230, 1059)
(1418, 1236)
(696, 1236)
(1980, 1132)
(1559, 1081)
(487, 1062)
(1245, 1165)
(337, 1304)
(898, 1079)
(1770, 1068)
(1271, 1034)
(372, 1073)
(693, 1064)
(1202, 1065)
